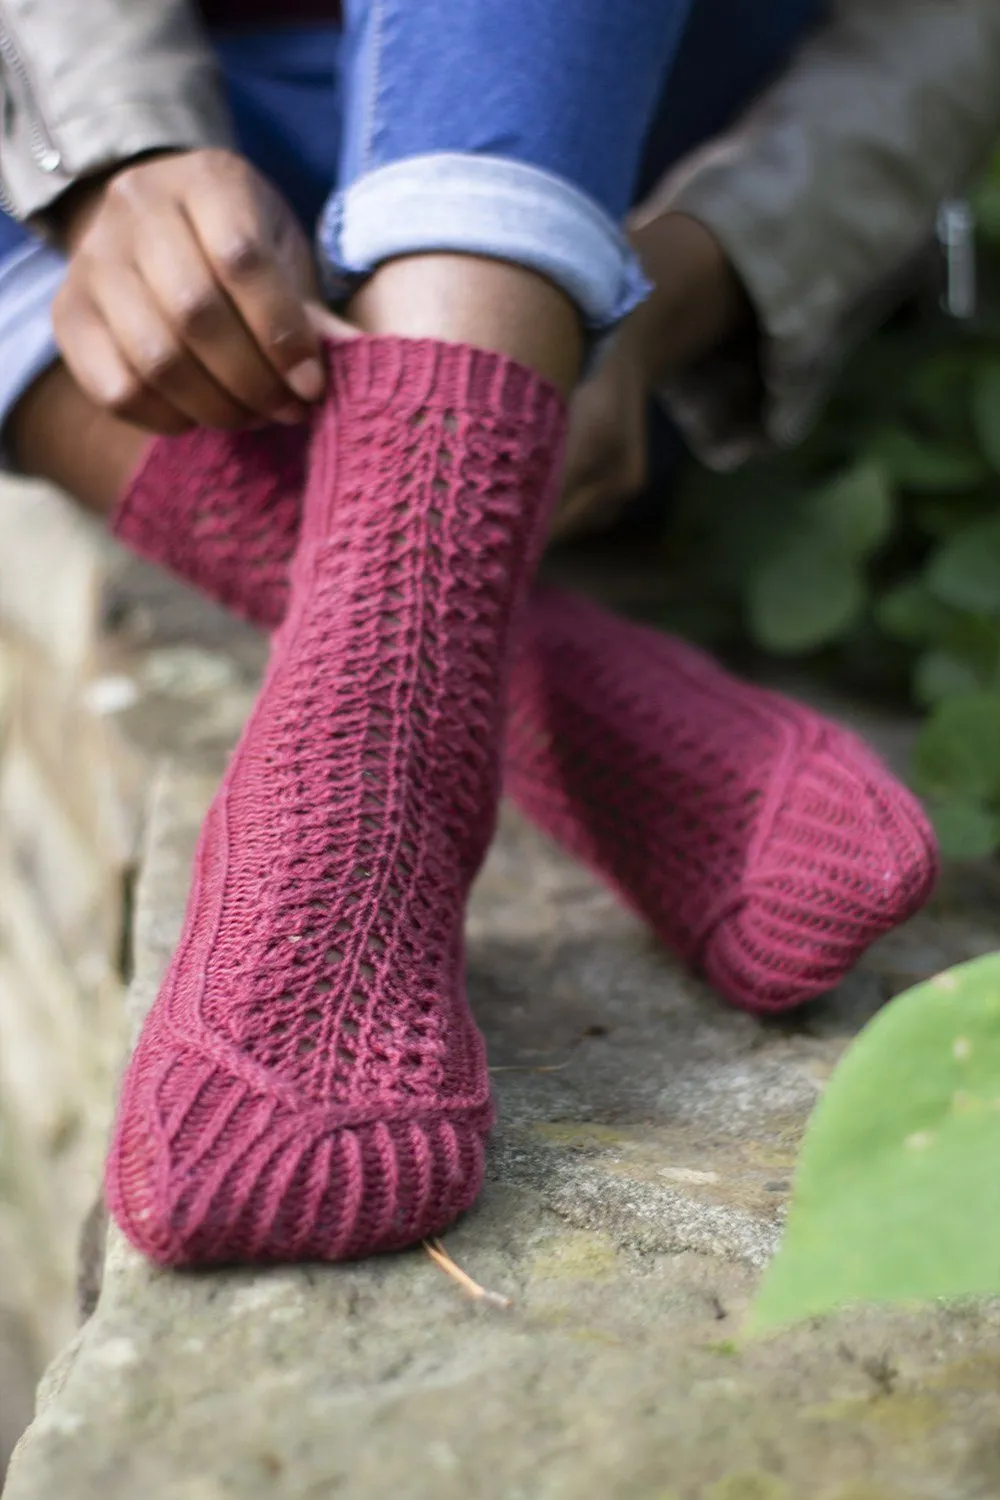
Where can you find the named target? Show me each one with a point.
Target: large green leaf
(986, 411)
(965, 571)
(897, 1193)
(805, 596)
(958, 750)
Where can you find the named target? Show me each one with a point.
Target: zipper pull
(956, 226)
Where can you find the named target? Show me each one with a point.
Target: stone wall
(67, 830)
(96, 658)
(637, 1183)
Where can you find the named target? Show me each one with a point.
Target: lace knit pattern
(221, 510)
(764, 844)
(224, 512)
(310, 1083)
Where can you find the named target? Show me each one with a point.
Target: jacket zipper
(956, 232)
(40, 143)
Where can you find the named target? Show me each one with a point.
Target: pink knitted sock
(221, 510)
(310, 1083)
(763, 843)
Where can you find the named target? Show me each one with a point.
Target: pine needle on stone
(532, 1068)
(443, 1260)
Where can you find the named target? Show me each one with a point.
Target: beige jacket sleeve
(825, 194)
(88, 83)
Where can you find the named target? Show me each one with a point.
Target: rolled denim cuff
(483, 205)
(29, 279)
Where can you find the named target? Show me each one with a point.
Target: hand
(606, 458)
(696, 304)
(187, 301)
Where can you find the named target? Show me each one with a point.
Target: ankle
(467, 299)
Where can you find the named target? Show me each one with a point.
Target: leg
(49, 429)
(730, 51)
(310, 1081)
(55, 432)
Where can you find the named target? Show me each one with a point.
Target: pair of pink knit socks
(310, 1083)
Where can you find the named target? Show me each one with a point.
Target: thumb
(328, 325)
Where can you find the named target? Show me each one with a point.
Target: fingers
(241, 240)
(328, 325)
(100, 370)
(206, 326)
(188, 299)
(153, 351)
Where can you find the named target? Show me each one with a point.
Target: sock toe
(847, 856)
(298, 1186)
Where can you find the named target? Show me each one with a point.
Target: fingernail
(290, 415)
(307, 379)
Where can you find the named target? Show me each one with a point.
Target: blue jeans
(518, 129)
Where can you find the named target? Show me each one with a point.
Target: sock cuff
(378, 370)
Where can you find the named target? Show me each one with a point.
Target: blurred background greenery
(872, 552)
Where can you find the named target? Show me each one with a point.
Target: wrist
(697, 302)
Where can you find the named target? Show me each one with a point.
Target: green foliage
(896, 1193)
(874, 548)
(811, 587)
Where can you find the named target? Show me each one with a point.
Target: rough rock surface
(637, 1184)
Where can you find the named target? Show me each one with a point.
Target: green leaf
(945, 516)
(925, 467)
(986, 411)
(965, 572)
(939, 674)
(958, 749)
(856, 510)
(987, 205)
(937, 389)
(909, 612)
(965, 828)
(975, 639)
(896, 1195)
(808, 594)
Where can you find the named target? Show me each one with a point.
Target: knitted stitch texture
(222, 511)
(765, 845)
(310, 1082)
